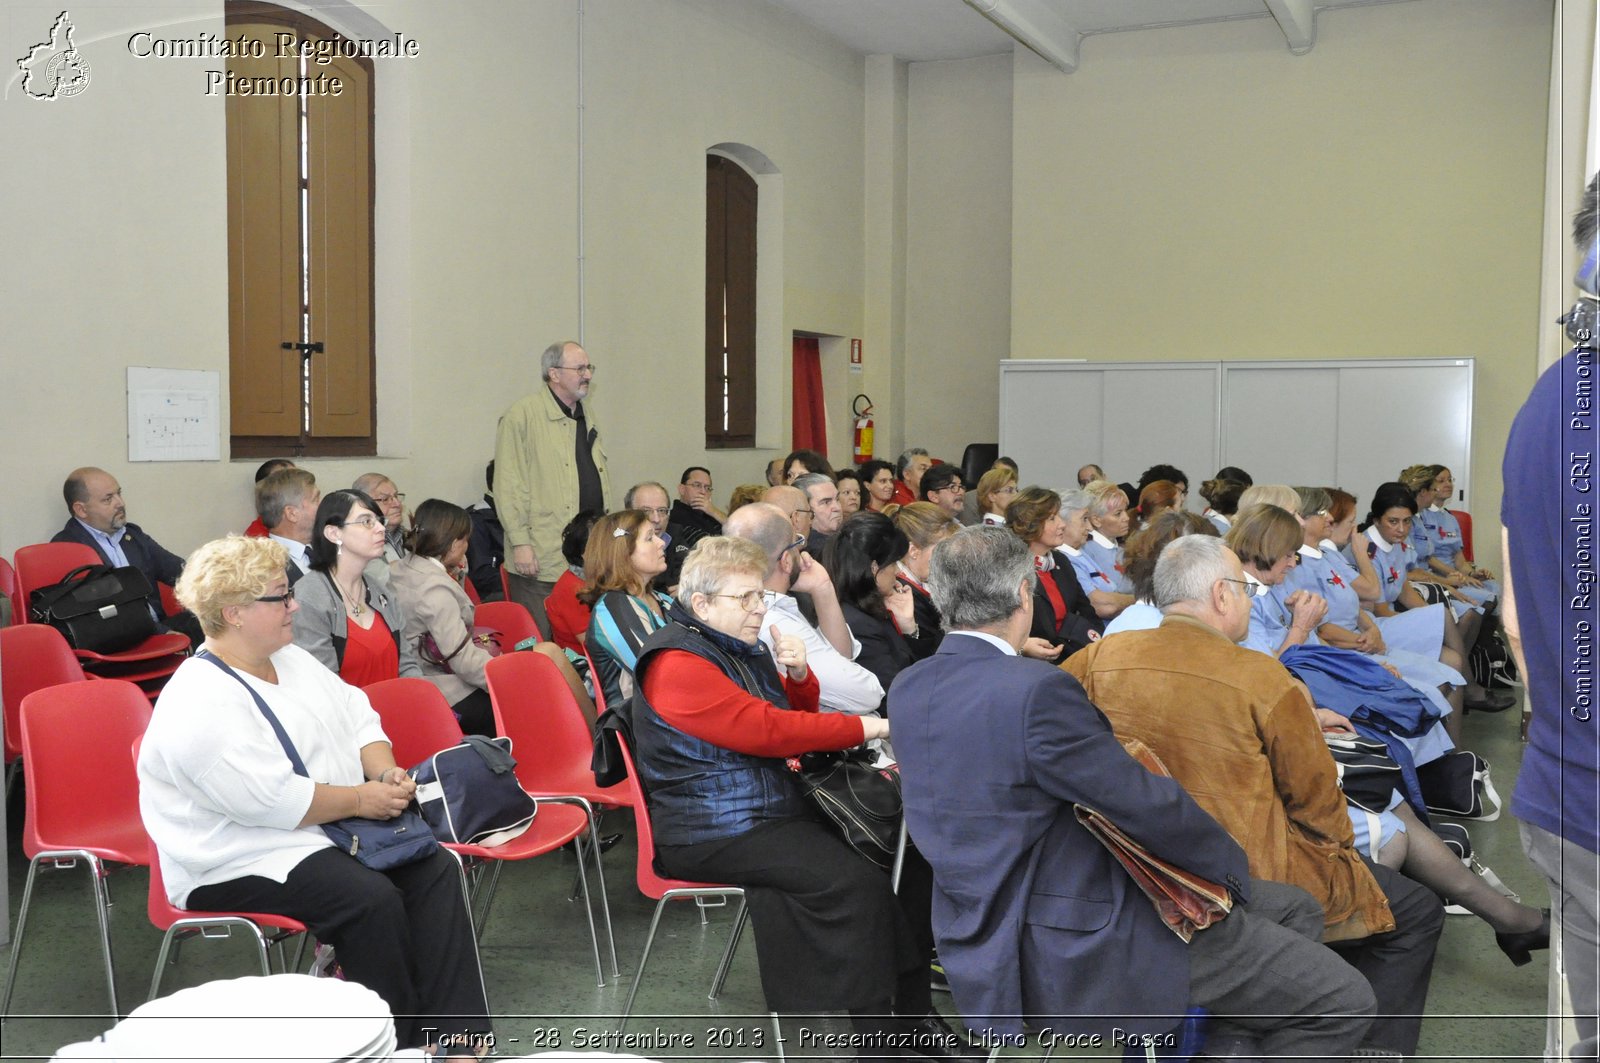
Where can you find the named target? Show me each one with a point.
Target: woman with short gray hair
(714, 717)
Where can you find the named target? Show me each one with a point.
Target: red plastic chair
(149, 663)
(8, 587)
(32, 657)
(82, 795)
(599, 692)
(533, 706)
(511, 619)
(268, 931)
(1464, 519)
(408, 708)
(472, 592)
(662, 890)
(417, 719)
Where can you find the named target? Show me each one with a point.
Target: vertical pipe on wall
(581, 338)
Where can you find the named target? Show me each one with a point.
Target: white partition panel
(1124, 417)
(1349, 423)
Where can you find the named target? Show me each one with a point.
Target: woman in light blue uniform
(1100, 581)
(1446, 555)
(1108, 523)
(1323, 570)
(1267, 539)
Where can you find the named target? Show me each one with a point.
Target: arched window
(730, 366)
(300, 240)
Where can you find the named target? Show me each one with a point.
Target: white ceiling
(920, 30)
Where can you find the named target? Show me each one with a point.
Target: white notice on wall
(174, 414)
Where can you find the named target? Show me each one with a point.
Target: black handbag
(97, 608)
(1368, 775)
(606, 762)
(380, 844)
(1458, 785)
(860, 801)
(469, 793)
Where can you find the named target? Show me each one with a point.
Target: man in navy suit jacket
(1035, 920)
(100, 519)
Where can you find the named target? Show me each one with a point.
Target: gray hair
(1074, 500)
(905, 459)
(974, 576)
(627, 499)
(1188, 568)
(765, 525)
(551, 358)
(1313, 500)
(713, 561)
(280, 490)
(368, 481)
(810, 480)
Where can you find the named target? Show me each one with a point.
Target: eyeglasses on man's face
(582, 370)
(384, 500)
(1251, 590)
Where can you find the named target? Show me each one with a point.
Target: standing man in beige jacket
(549, 464)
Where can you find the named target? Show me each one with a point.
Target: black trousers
(1399, 964)
(830, 936)
(476, 714)
(403, 933)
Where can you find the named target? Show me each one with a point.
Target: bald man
(99, 518)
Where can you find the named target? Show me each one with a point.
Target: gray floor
(541, 977)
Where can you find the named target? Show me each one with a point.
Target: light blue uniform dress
(1091, 576)
(1437, 533)
(1106, 556)
(1326, 572)
(1218, 521)
(1270, 618)
(1140, 616)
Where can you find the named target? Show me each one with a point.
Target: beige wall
(958, 251)
(1187, 193)
(119, 194)
(1200, 193)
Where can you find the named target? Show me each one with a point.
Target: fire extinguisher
(863, 434)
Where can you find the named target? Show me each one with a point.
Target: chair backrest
(83, 791)
(34, 656)
(511, 619)
(8, 589)
(472, 592)
(651, 884)
(1464, 519)
(415, 716)
(43, 564)
(550, 737)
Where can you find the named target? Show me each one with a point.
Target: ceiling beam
(1298, 21)
(1035, 24)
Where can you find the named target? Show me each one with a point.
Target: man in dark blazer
(99, 518)
(1035, 920)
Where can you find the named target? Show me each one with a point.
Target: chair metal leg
(16, 942)
(102, 909)
(593, 846)
(899, 857)
(777, 1036)
(486, 890)
(739, 919)
(638, 976)
(65, 860)
(466, 901)
(213, 927)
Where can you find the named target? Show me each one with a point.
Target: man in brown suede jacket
(1238, 733)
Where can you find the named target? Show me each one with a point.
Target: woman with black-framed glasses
(346, 620)
(236, 828)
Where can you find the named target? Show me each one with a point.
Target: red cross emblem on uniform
(1334, 580)
(1394, 576)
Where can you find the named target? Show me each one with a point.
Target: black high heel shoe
(1518, 946)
